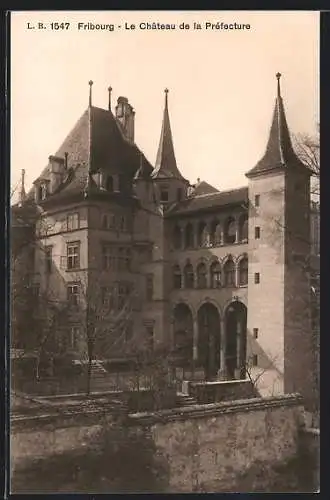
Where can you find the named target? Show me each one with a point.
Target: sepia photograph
(164, 252)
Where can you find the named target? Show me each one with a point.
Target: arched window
(201, 276)
(109, 184)
(189, 236)
(243, 271)
(177, 237)
(189, 276)
(243, 228)
(230, 231)
(229, 272)
(202, 235)
(215, 233)
(177, 278)
(215, 272)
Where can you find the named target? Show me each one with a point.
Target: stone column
(238, 350)
(236, 229)
(222, 371)
(195, 339)
(195, 346)
(236, 284)
(222, 233)
(195, 233)
(182, 233)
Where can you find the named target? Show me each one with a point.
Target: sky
(221, 83)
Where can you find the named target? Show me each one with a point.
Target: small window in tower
(257, 200)
(255, 333)
(179, 194)
(163, 195)
(257, 233)
(109, 184)
(255, 360)
(257, 278)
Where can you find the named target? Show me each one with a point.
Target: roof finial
(90, 83)
(166, 96)
(278, 76)
(109, 103)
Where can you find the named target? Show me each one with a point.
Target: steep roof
(210, 201)
(279, 151)
(166, 166)
(203, 187)
(95, 143)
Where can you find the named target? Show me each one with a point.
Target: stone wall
(246, 445)
(213, 392)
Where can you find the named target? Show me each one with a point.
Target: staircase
(183, 400)
(97, 369)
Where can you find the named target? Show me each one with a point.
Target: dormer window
(41, 191)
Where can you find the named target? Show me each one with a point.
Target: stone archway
(209, 339)
(235, 327)
(183, 335)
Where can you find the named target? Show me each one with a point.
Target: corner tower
(170, 185)
(279, 248)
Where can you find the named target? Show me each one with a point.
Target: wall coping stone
(75, 417)
(213, 409)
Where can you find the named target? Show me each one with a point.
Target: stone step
(185, 400)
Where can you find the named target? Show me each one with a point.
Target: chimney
(22, 194)
(66, 161)
(57, 168)
(125, 114)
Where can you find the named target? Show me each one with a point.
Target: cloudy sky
(222, 83)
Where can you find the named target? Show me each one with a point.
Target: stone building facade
(219, 277)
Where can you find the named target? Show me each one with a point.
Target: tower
(279, 248)
(170, 185)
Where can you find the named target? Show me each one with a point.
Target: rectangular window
(149, 287)
(257, 232)
(257, 278)
(128, 331)
(73, 294)
(122, 223)
(128, 259)
(72, 221)
(150, 336)
(105, 221)
(255, 332)
(255, 360)
(257, 200)
(107, 296)
(73, 255)
(124, 290)
(48, 259)
(179, 194)
(107, 257)
(35, 291)
(75, 334)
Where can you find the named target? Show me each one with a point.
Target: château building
(217, 276)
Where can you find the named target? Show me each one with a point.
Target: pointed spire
(279, 151)
(166, 166)
(22, 193)
(109, 101)
(90, 83)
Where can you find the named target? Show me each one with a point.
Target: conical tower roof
(279, 151)
(166, 166)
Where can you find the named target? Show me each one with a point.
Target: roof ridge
(219, 192)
